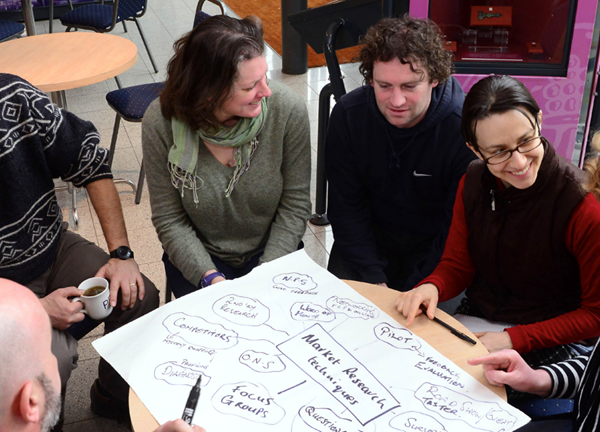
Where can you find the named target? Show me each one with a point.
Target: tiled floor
(164, 22)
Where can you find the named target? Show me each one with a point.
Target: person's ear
(540, 121)
(475, 151)
(371, 82)
(30, 403)
(434, 83)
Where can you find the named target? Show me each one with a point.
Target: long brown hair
(592, 169)
(201, 74)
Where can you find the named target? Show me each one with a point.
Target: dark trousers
(401, 251)
(180, 286)
(547, 426)
(78, 259)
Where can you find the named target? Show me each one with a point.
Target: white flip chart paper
(290, 347)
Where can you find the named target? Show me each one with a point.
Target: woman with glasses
(525, 237)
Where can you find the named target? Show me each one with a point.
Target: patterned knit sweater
(38, 143)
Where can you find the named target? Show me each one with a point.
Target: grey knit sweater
(267, 210)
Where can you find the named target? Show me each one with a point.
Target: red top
(455, 273)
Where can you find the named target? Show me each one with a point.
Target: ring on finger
(133, 284)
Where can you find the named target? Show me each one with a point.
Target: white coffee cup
(96, 305)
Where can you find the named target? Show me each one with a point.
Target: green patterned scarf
(183, 156)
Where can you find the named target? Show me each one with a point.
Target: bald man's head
(28, 369)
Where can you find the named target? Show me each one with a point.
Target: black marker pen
(190, 406)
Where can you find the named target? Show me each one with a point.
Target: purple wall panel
(559, 97)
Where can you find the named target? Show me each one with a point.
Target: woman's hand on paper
(507, 367)
(495, 341)
(409, 303)
(179, 426)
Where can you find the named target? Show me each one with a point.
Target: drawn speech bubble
(351, 308)
(262, 362)
(400, 338)
(175, 374)
(324, 419)
(306, 311)
(241, 310)
(249, 401)
(453, 405)
(197, 331)
(295, 281)
(412, 420)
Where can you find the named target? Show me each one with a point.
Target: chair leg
(59, 98)
(137, 23)
(124, 26)
(140, 185)
(118, 82)
(113, 141)
(51, 17)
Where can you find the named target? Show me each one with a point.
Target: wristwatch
(122, 252)
(208, 279)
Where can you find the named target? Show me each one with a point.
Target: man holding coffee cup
(42, 142)
(29, 379)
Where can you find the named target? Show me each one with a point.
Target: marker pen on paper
(190, 406)
(455, 332)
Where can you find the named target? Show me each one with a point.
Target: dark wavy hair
(413, 41)
(201, 74)
(496, 94)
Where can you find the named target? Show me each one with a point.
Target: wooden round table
(441, 339)
(63, 61)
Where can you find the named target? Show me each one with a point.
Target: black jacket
(403, 180)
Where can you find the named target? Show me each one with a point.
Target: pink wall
(558, 97)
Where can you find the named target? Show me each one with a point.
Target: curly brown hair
(410, 40)
(201, 74)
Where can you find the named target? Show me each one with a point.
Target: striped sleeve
(587, 403)
(566, 376)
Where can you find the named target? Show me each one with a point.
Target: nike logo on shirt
(416, 174)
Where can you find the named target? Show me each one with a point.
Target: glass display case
(530, 37)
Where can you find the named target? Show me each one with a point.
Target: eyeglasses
(524, 147)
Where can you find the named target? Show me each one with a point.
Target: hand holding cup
(95, 298)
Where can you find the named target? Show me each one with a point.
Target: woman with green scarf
(227, 158)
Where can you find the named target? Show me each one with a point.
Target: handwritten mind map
(289, 347)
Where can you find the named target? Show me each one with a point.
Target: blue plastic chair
(103, 18)
(10, 30)
(131, 103)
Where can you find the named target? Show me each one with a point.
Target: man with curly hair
(394, 157)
